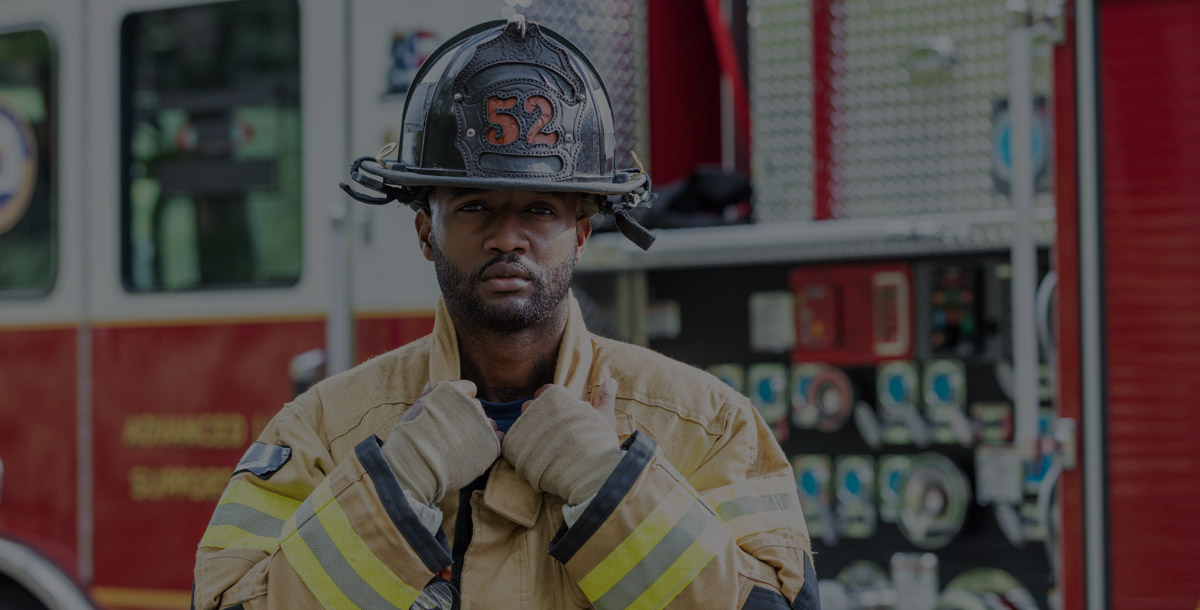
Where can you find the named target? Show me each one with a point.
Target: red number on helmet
(546, 114)
(505, 128)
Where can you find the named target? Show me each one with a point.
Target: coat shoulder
(659, 381)
(346, 400)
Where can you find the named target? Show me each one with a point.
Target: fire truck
(963, 290)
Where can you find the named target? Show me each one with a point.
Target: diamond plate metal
(907, 139)
(915, 139)
(612, 33)
(780, 51)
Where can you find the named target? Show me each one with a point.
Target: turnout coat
(702, 511)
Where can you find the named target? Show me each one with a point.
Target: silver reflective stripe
(658, 560)
(304, 514)
(339, 570)
(254, 521)
(728, 511)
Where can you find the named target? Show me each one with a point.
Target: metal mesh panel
(909, 137)
(916, 137)
(780, 52)
(612, 33)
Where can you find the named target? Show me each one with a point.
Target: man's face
(504, 259)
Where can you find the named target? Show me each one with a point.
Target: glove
(448, 444)
(563, 446)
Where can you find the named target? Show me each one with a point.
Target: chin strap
(633, 230)
(620, 206)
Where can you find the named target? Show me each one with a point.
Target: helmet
(507, 105)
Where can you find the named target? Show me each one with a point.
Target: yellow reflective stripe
(684, 570)
(232, 536)
(244, 492)
(756, 523)
(638, 544)
(335, 563)
(309, 569)
(363, 560)
(305, 562)
(752, 487)
(248, 516)
(758, 505)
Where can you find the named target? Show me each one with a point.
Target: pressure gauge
(813, 476)
(933, 501)
(945, 390)
(854, 477)
(892, 470)
(767, 384)
(805, 413)
(945, 384)
(897, 384)
(831, 392)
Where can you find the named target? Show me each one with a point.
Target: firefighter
(509, 459)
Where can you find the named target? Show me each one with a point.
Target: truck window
(28, 235)
(211, 146)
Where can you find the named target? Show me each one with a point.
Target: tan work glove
(442, 442)
(563, 445)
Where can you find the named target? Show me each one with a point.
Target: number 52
(505, 129)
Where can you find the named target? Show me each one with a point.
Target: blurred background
(947, 247)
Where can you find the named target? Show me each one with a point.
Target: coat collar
(507, 493)
(572, 370)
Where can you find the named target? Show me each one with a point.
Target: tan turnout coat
(701, 513)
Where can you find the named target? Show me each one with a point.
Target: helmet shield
(521, 106)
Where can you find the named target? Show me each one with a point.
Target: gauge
(933, 501)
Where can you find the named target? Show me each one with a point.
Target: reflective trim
(301, 516)
(657, 560)
(637, 544)
(750, 488)
(681, 574)
(337, 566)
(660, 557)
(758, 514)
(757, 504)
(248, 516)
(639, 450)
(265, 500)
(263, 460)
(231, 537)
(309, 569)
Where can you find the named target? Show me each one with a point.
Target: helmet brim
(623, 182)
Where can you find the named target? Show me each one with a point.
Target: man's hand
(604, 401)
(443, 442)
(462, 384)
(563, 445)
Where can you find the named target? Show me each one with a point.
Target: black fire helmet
(508, 105)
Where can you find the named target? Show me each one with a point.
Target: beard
(460, 290)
